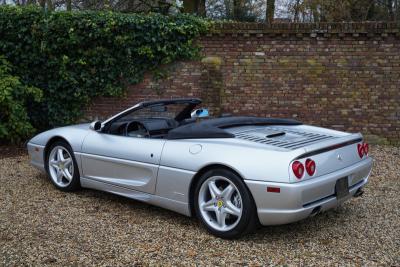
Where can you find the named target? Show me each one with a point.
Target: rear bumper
(297, 201)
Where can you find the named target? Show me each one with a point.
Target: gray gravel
(40, 225)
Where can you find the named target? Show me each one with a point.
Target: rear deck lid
(331, 150)
(287, 137)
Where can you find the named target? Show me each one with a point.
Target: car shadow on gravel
(105, 198)
(307, 227)
(109, 202)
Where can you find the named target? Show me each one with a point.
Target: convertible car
(233, 173)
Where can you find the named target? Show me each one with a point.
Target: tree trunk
(42, 3)
(238, 9)
(270, 11)
(201, 8)
(390, 9)
(314, 15)
(296, 11)
(107, 5)
(228, 8)
(50, 6)
(189, 6)
(69, 5)
(195, 7)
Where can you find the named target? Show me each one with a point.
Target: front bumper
(36, 154)
(297, 201)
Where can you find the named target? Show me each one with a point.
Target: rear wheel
(224, 204)
(61, 167)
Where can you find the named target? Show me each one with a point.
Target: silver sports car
(233, 173)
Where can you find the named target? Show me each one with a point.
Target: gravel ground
(7, 151)
(42, 226)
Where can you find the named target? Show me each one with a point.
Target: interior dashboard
(143, 128)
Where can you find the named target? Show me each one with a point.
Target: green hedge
(14, 120)
(75, 56)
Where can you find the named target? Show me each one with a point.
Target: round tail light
(366, 149)
(360, 149)
(298, 169)
(310, 167)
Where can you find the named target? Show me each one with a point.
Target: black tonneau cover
(213, 128)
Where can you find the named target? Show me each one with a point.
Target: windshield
(166, 111)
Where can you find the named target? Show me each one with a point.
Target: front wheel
(224, 204)
(62, 168)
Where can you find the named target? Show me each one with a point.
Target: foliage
(14, 120)
(142, 6)
(75, 56)
(243, 10)
(239, 10)
(337, 11)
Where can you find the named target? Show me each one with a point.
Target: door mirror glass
(95, 126)
(200, 113)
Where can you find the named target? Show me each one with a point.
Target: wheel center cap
(220, 203)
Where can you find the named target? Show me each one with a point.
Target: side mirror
(95, 126)
(200, 113)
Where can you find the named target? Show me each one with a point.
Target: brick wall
(344, 76)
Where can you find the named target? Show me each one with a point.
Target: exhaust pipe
(315, 211)
(359, 192)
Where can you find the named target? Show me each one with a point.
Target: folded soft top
(213, 128)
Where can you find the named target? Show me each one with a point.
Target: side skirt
(177, 206)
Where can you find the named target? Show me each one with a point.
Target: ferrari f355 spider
(232, 172)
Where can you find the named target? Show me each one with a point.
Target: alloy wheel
(220, 203)
(61, 167)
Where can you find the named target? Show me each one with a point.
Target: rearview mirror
(95, 126)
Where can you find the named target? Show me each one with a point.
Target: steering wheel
(136, 129)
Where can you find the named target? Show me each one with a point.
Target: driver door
(129, 162)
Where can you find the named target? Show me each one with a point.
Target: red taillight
(310, 167)
(360, 149)
(366, 149)
(298, 169)
(363, 149)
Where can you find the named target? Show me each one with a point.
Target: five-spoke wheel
(61, 166)
(220, 203)
(224, 204)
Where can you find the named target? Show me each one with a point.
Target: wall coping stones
(311, 29)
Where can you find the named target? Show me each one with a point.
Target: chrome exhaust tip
(315, 211)
(359, 192)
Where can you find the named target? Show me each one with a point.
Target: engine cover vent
(282, 137)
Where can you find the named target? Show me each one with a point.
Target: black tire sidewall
(75, 183)
(249, 217)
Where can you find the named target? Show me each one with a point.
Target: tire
(226, 210)
(63, 172)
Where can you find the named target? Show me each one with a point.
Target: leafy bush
(75, 56)
(14, 120)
